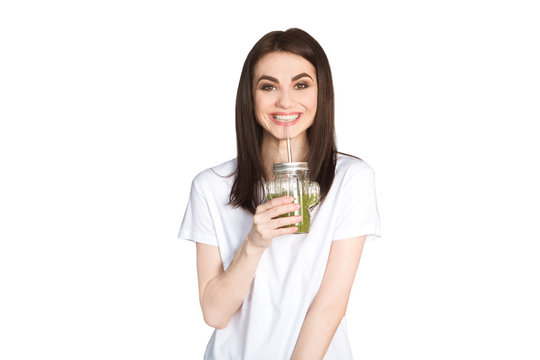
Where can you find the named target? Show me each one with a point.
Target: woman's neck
(275, 151)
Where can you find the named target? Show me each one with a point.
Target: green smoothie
(306, 202)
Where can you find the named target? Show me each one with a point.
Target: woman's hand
(266, 223)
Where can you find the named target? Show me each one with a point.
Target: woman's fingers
(280, 210)
(285, 231)
(263, 225)
(268, 224)
(273, 203)
(271, 217)
(284, 221)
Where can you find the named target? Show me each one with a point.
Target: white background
(109, 108)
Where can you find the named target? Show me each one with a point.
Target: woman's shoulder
(350, 164)
(212, 176)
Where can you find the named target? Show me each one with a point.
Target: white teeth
(286, 118)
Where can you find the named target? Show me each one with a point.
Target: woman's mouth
(285, 119)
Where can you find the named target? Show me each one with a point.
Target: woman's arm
(221, 292)
(330, 304)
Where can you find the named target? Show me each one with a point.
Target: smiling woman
(269, 291)
(293, 68)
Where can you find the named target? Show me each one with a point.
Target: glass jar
(291, 179)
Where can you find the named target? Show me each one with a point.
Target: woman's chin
(281, 134)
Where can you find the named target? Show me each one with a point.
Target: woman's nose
(285, 100)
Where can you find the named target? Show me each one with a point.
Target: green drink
(291, 180)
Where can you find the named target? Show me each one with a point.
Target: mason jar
(291, 179)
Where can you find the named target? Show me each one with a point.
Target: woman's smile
(285, 119)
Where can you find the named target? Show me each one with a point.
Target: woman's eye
(301, 86)
(268, 87)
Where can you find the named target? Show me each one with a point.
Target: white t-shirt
(290, 271)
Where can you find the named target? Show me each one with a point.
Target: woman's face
(284, 93)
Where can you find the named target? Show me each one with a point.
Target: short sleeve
(197, 224)
(357, 206)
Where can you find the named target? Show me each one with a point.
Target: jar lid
(290, 166)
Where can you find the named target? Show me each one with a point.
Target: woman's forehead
(282, 64)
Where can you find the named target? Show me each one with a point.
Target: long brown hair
(247, 191)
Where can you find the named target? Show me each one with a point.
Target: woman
(270, 293)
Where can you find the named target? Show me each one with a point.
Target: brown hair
(247, 191)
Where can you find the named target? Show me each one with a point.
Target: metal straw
(288, 145)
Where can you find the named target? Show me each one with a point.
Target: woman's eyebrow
(269, 78)
(299, 76)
